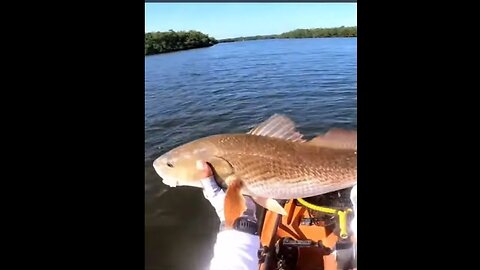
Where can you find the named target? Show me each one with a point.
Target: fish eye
(169, 164)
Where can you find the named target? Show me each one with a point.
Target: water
(229, 88)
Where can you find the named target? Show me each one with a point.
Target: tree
(161, 42)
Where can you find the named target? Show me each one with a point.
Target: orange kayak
(307, 238)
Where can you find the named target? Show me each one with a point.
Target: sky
(228, 20)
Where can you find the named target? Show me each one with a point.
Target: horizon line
(252, 35)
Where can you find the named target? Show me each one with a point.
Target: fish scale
(275, 168)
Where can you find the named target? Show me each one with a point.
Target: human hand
(216, 196)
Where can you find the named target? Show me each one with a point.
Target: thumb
(210, 186)
(204, 168)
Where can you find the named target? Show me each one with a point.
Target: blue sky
(225, 20)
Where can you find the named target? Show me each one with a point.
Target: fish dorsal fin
(278, 126)
(337, 138)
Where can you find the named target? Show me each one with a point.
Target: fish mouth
(159, 166)
(169, 182)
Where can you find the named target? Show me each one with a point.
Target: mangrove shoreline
(171, 41)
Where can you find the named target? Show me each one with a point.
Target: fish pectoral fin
(235, 204)
(270, 204)
(337, 138)
(278, 126)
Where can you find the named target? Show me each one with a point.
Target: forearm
(235, 250)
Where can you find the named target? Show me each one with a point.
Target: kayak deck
(304, 239)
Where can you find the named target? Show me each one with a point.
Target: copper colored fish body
(280, 169)
(272, 161)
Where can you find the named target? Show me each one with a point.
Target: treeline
(321, 32)
(162, 42)
(248, 38)
(304, 33)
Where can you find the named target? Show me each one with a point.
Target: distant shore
(303, 33)
(171, 41)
